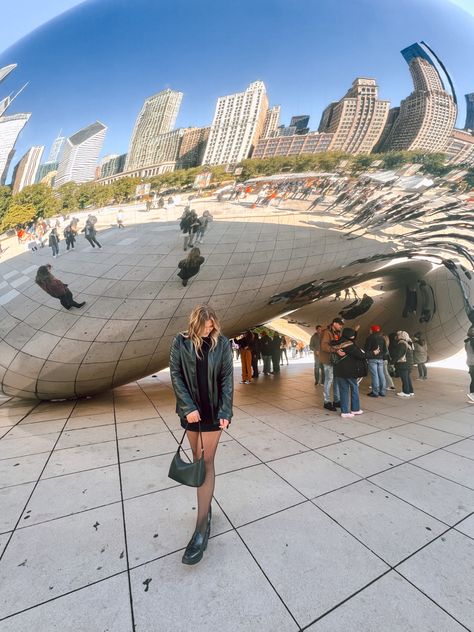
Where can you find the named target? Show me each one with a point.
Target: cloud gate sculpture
(260, 263)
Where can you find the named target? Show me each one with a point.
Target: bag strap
(180, 444)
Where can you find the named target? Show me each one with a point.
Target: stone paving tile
(430, 436)
(146, 445)
(163, 522)
(313, 435)
(467, 526)
(89, 421)
(390, 527)
(86, 436)
(3, 540)
(237, 593)
(349, 428)
(59, 556)
(452, 466)
(390, 604)
(24, 431)
(463, 448)
(457, 426)
(256, 481)
(268, 444)
(333, 564)
(312, 474)
(359, 458)
(102, 606)
(21, 470)
(434, 494)
(72, 493)
(12, 502)
(85, 457)
(395, 444)
(444, 571)
(10, 448)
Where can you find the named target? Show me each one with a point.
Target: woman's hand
(193, 417)
(223, 423)
(340, 353)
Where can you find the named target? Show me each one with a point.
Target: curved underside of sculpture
(260, 264)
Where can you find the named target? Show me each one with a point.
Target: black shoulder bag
(192, 473)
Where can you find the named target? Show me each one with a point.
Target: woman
(469, 347)
(190, 266)
(402, 356)
(202, 376)
(54, 242)
(420, 355)
(350, 365)
(90, 232)
(56, 288)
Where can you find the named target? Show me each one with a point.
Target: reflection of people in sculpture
(428, 305)
(56, 288)
(469, 347)
(201, 372)
(190, 266)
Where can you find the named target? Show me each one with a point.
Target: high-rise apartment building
(157, 116)
(56, 149)
(294, 145)
(10, 128)
(357, 120)
(237, 125)
(112, 164)
(300, 123)
(469, 111)
(272, 122)
(81, 153)
(460, 149)
(427, 116)
(26, 169)
(192, 147)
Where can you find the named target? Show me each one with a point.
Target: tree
(124, 188)
(5, 199)
(17, 214)
(44, 200)
(68, 194)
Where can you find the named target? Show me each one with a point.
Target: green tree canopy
(45, 201)
(17, 214)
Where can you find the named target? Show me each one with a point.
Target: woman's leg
(355, 402)
(205, 492)
(409, 382)
(343, 385)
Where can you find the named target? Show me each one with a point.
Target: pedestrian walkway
(319, 523)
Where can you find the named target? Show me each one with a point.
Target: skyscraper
(81, 152)
(357, 120)
(56, 148)
(46, 172)
(10, 128)
(272, 121)
(192, 147)
(427, 116)
(157, 116)
(112, 164)
(237, 125)
(26, 169)
(300, 123)
(469, 111)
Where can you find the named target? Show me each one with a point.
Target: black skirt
(206, 426)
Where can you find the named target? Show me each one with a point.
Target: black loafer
(329, 406)
(196, 547)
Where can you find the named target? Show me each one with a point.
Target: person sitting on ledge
(55, 288)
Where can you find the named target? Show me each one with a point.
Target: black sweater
(351, 364)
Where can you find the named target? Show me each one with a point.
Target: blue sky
(101, 59)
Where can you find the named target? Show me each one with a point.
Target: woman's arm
(183, 396)
(226, 384)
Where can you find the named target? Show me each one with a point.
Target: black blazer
(220, 377)
(352, 365)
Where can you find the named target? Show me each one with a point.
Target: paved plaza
(319, 523)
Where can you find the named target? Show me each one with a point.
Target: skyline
(296, 91)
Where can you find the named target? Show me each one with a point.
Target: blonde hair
(197, 320)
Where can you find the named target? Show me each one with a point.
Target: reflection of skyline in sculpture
(157, 117)
(428, 109)
(80, 154)
(135, 302)
(10, 126)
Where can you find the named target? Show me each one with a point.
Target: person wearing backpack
(349, 364)
(376, 351)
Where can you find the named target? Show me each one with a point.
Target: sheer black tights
(205, 492)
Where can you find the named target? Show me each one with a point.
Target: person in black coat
(190, 266)
(202, 375)
(349, 365)
(255, 348)
(402, 356)
(276, 344)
